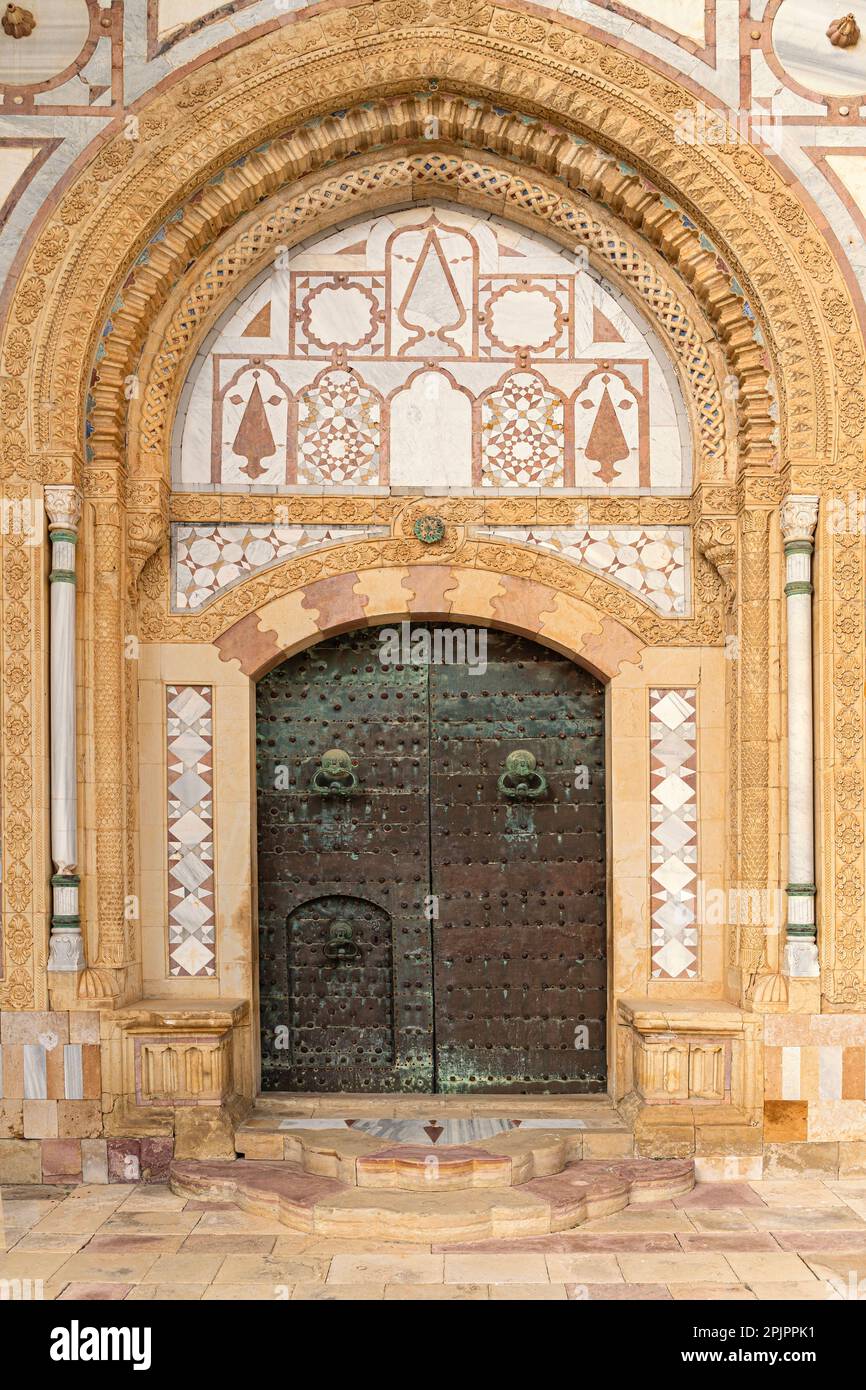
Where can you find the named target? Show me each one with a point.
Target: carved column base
(801, 959)
(66, 950)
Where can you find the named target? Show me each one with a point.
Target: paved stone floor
(798, 1239)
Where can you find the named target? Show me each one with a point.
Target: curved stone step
(323, 1206)
(362, 1160)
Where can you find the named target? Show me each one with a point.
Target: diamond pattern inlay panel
(189, 753)
(674, 936)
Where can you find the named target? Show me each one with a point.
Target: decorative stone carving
(179, 1055)
(844, 32)
(716, 539)
(17, 22)
(703, 1052)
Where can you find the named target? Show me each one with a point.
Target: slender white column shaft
(66, 950)
(798, 517)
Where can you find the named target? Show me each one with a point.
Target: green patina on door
(431, 912)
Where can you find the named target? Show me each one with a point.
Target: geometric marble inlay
(189, 754)
(432, 348)
(674, 942)
(207, 560)
(651, 561)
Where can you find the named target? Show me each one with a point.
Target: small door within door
(431, 902)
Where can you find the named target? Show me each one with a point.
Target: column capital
(63, 505)
(798, 517)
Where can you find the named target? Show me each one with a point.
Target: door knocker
(334, 775)
(521, 780)
(341, 944)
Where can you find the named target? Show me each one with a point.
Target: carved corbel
(146, 526)
(716, 539)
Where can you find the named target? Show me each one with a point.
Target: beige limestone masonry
(589, 144)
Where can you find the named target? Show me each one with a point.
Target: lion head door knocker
(341, 944)
(521, 780)
(334, 775)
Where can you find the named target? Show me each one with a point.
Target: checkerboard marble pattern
(673, 834)
(191, 921)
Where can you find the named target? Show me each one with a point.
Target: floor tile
(528, 1292)
(103, 1268)
(584, 1269)
(676, 1269)
(31, 1264)
(723, 1241)
(94, 1293)
(154, 1222)
(137, 1244)
(712, 1195)
(495, 1269)
(210, 1243)
(471, 1293)
(253, 1293)
(386, 1269)
(794, 1193)
(166, 1293)
(640, 1219)
(795, 1293)
(191, 1268)
(274, 1269)
(810, 1242)
(710, 1293)
(724, 1220)
(769, 1269)
(51, 1241)
(807, 1219)
(325, 1293)
(637, 1293)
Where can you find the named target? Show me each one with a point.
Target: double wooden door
(431, 912)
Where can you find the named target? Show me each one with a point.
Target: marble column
(798, 517)
(66, 946)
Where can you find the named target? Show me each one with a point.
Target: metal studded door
(390, 794)
(344, 872)
(518, 867)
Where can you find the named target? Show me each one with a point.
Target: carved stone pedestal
(181, 1065)
(692, 1077)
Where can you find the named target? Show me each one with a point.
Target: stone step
(323, 1206)
(380, 1105)
(359, 1159)
(471, 1152)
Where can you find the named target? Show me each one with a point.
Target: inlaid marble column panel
(66, 950)
(674, 937)
(189, 751)
(798, 518)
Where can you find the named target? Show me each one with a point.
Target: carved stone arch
(623, 257)
(734, 193)
(503, 561)
(295, 615)
(566, 110)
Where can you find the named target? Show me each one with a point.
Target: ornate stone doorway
(431, 912)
